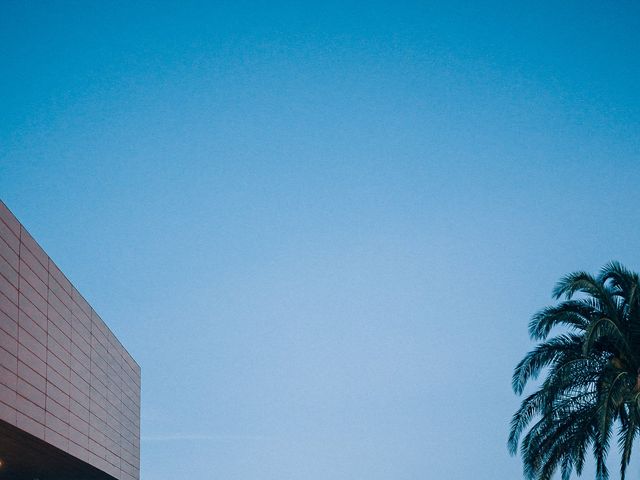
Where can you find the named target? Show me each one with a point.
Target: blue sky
(321, 229)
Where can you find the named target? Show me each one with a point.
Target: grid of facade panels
(64, 377)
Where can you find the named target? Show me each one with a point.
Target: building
(69, 390)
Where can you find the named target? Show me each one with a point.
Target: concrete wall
(64, 377)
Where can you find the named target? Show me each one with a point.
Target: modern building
(69, 390)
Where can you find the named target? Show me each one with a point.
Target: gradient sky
(321, 229)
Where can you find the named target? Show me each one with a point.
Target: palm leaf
(592, 377)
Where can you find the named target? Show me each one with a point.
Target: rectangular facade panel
(64, 376)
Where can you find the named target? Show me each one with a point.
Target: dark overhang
(25, 457)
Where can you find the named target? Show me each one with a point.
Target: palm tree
(591, 372)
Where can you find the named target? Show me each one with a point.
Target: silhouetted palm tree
(592, 376)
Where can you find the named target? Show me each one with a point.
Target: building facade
(69, 390)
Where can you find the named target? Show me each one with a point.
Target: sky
(321, 228)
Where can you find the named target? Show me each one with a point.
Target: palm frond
(575, 314)
(622, 279)
(576, 282)
(626, 436)
(544, 354)
(592, 377)
(607, 329)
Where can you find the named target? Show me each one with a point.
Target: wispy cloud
(187, 437)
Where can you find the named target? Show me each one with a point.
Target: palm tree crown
(592, 376)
